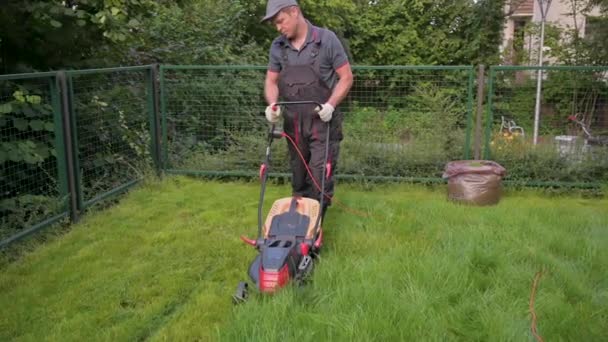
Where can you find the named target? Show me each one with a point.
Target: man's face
(286, 22)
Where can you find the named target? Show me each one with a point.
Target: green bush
(545, 163)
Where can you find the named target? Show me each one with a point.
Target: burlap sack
(476, 182)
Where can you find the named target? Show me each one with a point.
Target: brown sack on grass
(476, 182)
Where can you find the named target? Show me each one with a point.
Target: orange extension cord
(532, 312)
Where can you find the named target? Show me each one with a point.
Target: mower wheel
(304, 271)
(241, 294)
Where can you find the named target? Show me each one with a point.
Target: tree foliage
(53, 34)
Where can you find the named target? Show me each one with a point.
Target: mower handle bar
(286, 103)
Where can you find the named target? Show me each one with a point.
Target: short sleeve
(274, 58)
(337, 54)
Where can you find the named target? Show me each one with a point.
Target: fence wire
(399, 122)
(111, 112)
(32, 181)
(572, 144)
(213, 119)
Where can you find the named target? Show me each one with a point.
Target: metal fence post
(153, 88)
(490, 114)
(164, 155)
(62, 175)
(67, 143)
(467, 147)
(479, 116)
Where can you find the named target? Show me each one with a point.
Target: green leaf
(55, 23)
(34, 99)
(6, 108)
(115, 11)
(42, 151)
(37, 125)
(14, 155)
(98, 163)
(18, 95)
(26, 145)
(20, 124)
(133, 23)
(49, 126)
(45, 109)
(68, 12)
(81, 14)
(28, 111)
(30, 159)
(81, 22)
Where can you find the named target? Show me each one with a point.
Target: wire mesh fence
(33, 186)
(399, 121)
(62, 142)
(572, 130)
(67, 143)
(407, 122)
(113, 119)
(212, 119)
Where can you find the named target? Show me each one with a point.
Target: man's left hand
(325, 112)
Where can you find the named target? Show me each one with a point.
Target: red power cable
(343, 206)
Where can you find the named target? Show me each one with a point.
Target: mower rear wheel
(304, 271)
(241, 294)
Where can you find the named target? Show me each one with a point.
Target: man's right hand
(273, 113)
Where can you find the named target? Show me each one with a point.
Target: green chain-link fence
(112, 113)
(70, 140)
(572, 134)
(211, 119)
(400, 122)
(33, 183)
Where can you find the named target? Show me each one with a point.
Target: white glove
(273, 113)
(326, 112)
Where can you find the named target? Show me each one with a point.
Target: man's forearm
(340, 91)
(271, 92)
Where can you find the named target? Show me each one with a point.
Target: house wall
(559, 14)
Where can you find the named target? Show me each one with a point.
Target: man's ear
(295, 11)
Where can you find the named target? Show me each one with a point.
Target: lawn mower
(291, 234)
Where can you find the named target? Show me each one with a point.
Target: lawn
(162, 264)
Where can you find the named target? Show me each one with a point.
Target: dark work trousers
(310, 138)
(303, 124)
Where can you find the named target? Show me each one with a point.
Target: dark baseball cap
(274, 6)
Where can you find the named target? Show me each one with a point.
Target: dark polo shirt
(331, 53)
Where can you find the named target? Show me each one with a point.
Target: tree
(52, 34)
(416, 31)
(202, 32)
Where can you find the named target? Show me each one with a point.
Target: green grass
(163, 263)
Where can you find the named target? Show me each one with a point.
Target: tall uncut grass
(164, 262)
